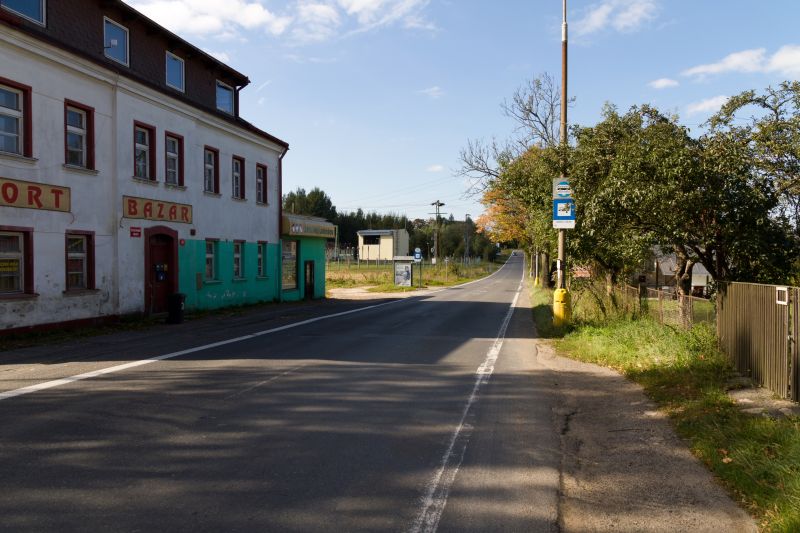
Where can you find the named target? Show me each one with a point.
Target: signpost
(564, 213)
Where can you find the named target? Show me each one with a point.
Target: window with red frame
(237, 177)
(80, 260)
(16, 261)
(15, 118)
(144, 151)
(78, 135)
(261, 184)
(173, 159)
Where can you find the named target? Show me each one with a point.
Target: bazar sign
(28, 195)
(147, 209)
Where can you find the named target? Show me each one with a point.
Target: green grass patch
(756, 458)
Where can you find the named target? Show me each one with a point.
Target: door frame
(306, 294)
(172, 275)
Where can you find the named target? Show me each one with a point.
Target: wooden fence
(758, 328)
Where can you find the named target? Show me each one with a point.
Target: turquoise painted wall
(310, 249)
(226, 291)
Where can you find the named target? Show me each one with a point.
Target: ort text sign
(29, 195)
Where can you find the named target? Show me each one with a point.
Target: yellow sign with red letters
(29, 195)
(147, 209)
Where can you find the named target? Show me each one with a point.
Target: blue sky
(377, 97)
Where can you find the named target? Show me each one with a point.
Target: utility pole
(437, 204)
(562, 308)
(466, 237)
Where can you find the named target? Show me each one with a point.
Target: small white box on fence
(782, 295)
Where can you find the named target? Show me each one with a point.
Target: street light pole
(562, 308)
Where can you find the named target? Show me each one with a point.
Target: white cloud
(744, 61)
(432, 92)
(435, 168)
(663, 83)
(221, 56)
(621, 15)
(316, 22)
(709, 105)
(786, 61)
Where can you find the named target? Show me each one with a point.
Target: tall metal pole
(562, 233)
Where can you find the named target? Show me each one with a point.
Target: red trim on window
(216, 167)
(152, 163)
(27, 255)
(27, 115)
(242, 195)
(179, 138)
(89, 258)
(89, 130)
(264, 188)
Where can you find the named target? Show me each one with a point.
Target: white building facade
(125, 179)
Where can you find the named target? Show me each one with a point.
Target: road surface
(423, 414)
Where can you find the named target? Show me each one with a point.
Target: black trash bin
(175, 308)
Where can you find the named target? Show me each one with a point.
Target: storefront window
(11, 262)
(289, 265)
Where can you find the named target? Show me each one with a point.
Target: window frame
(261, 184)
(224, 85)
(88, 113)
(238, 180)
(89, 258)
(183, 71)
(261, 259)
(42, 3)
(26, 284)
(151, 151)
(106, 47)
(238, 258)
(179, 156)
(215, 153)
(25, 118)
(214, 256)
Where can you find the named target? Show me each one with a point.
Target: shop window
(211, 260)
(211, 170)
(173, 153)
(289, 260)
(115, 41)
(261, 184)
(175, 67)
(15, 118)
(371, 240)
(144, 151)
(16, 261)
(224, 97)
(78, 135)
(32, 10)
(237, 177)
(80, 260)
(262, 260)
(238, 259)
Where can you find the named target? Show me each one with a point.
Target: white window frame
(238, 260)
(172, 156)
(183, 72)
(20, 257)
(236, 178)
(211, 259)
(107, 45)
(18, 115)
(82, 132)
(209, 171)
(84, 256)
(42, 3)
(262, 260)
(145, 148)
(233, 97)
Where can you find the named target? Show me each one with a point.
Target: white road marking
(133, 364)
(266, 381)
(438, 488)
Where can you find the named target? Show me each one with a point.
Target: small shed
(303, 242)
(382, 244)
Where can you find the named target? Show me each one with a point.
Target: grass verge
(756, 458)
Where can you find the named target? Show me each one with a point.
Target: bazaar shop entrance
(161, 268)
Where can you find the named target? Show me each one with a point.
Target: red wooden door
(160, 272)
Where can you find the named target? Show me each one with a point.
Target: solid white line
(133, 364)
(438, 488)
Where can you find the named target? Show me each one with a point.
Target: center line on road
(438, 488)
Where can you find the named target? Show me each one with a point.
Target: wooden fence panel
(753, 331)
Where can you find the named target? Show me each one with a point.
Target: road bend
(417, 415)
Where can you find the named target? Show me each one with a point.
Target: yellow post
(562, 308)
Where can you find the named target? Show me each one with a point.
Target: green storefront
(302, 255)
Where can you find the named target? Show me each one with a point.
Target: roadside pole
(563, 207)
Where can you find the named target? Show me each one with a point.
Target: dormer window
(115, 41)
(175, 72)
(224, 97)
(32, 10)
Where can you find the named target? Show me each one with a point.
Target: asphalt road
(423, 414)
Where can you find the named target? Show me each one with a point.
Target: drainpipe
(280, 221)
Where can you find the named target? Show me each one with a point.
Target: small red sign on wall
(136, 232)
